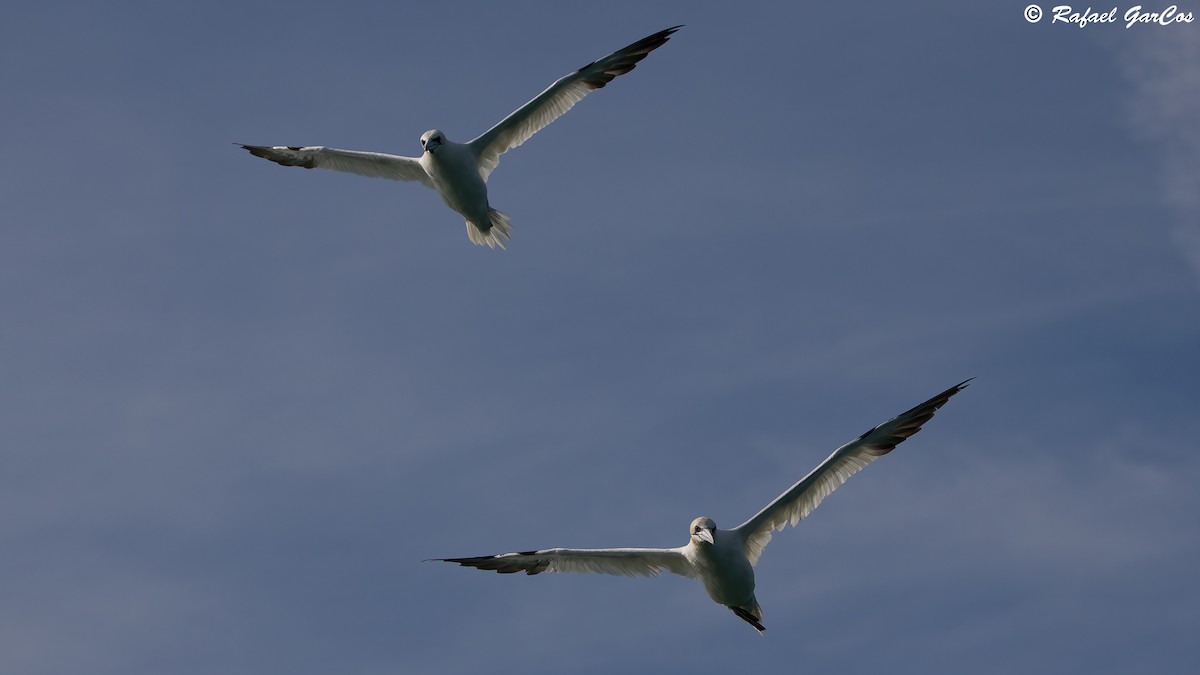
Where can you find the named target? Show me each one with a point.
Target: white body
(724, 569)
(454, 170)
(459, 171)
(724, 560)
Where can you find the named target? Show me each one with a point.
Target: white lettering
(1085, 18)
(1134, 15)
(1166, 17)
(1061, 13)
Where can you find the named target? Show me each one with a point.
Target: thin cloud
(1163, 71)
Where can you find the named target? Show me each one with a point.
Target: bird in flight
(459, 171)
(724, 560)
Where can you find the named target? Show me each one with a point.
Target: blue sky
(242, 403)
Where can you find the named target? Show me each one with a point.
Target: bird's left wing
(558, 98)
(372, 164)
(800, 499)
(626, 562)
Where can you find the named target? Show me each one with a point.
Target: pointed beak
(706, 535)
(430, 145)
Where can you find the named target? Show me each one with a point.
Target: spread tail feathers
(496, 232)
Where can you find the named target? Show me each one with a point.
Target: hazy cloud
(1162, 71)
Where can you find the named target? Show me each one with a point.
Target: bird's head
(703, 530)
(432, 139)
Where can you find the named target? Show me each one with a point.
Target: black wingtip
(916, 417)
(628, 57)
(283, 159)
(256, 150)
(949, 392)
(660, 37)
(940, 400)
(749, 618)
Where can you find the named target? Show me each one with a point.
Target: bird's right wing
(626, 562)
(558, 98)
(372, 164)
(800, 499)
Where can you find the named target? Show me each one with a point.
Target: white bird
(459, 171)
(724, 560)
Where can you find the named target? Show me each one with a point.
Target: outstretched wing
(626, 562)
(558, 99)
(800, 499)
(372, 164)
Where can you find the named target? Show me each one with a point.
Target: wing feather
(800, 499)
(626, 562)
(371, 164)
(558, 98)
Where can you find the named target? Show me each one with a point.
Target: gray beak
(706, 535)
(430, 145)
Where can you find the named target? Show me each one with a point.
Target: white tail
(495, 235)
